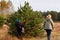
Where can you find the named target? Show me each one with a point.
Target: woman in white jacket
(48, 26)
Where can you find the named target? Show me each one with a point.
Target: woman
(20, 28)
(48, 26)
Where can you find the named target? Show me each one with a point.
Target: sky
(40, 5)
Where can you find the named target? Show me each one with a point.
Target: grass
(54, 36)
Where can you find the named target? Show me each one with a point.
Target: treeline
(55, 15)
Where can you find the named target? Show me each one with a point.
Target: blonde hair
(48, 16)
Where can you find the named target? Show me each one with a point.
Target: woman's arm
(52, 23)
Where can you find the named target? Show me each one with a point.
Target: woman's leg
(19, 34)
(48, 34)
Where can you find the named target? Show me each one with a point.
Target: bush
(1, 21)
(11, 21)
(32, 20)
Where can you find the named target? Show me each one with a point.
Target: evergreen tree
(32, 19)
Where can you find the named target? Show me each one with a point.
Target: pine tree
(32, 19)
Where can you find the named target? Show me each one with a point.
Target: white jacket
(48, 24)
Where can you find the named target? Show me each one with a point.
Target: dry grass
(55, 34)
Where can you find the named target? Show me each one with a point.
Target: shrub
(32, 20)
(1, 21)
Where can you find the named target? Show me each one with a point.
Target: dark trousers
(48, 31)
(19, 33)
